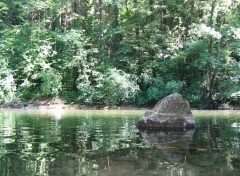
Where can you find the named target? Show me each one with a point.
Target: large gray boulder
(172, 112)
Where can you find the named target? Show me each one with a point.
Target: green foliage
(157, 90)
(99, 52)
(70, 97)
(119, 87)
(7, 89)
(51, 82)
(229, 82)
(112, 88)
(3, 12)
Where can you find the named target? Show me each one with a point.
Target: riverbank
(57, 103)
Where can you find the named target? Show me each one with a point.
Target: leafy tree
(102, 87)
(157, 47)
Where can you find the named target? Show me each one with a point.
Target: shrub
(51, 82)
(112, 88)
(7, 89)
(157, 90)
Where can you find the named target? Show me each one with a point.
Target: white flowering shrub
(113, 87)
(7, 88)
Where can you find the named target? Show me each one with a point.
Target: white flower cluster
(237, 33)
(206, 30)
(7, 82)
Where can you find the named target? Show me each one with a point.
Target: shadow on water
(97, 143)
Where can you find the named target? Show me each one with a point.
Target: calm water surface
(107, 143)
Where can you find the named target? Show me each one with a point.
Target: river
(107, 143)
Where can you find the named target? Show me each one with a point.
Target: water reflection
(57, 111)
(108, 143)
(173, 144)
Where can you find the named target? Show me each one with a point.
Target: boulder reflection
(173, 144)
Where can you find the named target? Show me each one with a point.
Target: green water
(107, 143)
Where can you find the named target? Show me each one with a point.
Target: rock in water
(172, 112)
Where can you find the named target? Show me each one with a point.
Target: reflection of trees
(215, 145)
(37, 145)
(95, 145)
(25, 143)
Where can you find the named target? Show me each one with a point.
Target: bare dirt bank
(56, 103)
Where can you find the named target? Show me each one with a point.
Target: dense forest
(117, 52)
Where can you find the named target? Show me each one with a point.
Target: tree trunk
(210, 78)
(117, 37)
(151, 16)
